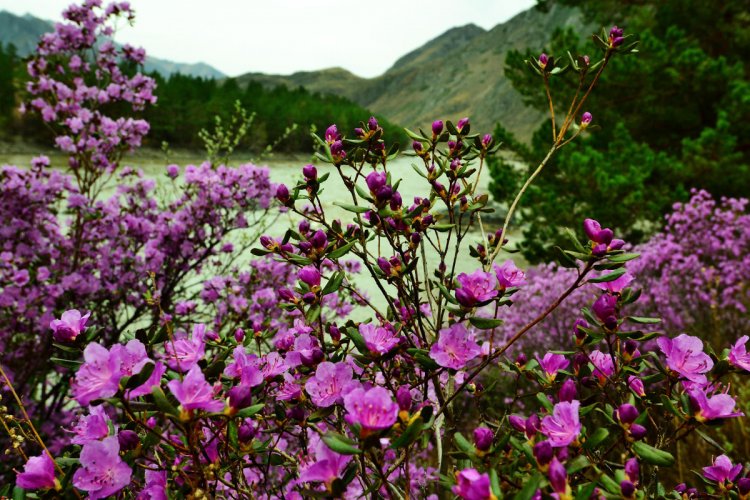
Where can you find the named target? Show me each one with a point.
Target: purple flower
(379, 340)
(563, 426)
(685, 357)
(372, 409)
(476, 288)
(543, 59)
(615, 36)
(328, 466)
(332, 134)
(376, 181)
(543, 452)
(102, 472)
(636, 385)
(508, 275)
(38, 473)
(455, 347)
(722, 470)
(710, 408)
(738, 355)
(568, 391)
(471, 485)
(595, 232)
(69, 326)
(97, 377)
(326, 386)
(194, 393)
(552, 363)
(586, 119)
(632, 470)
(173, 171)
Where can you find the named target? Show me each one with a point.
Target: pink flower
(738, 355)
(604, 367)
(476, 288)
(508, 275)
(372, 409)
(194, 393)
(182, 354)
(38, 473)
(471, 485)
(685, 357)
(722, 470)
(91, 427)
(717, 406)
(326, 386)
(455, 347)
(379, 340)
(328, 466)
(310, 276)
(69, 326)
(618, 285)
(636, 385)
(102, 472)
(98, 376)
(563, 426)
(551, 364)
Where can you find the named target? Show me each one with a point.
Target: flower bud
(627, 489)
(437, 127)
(461, 124)
(282, 193)
(319, 240)
(568, 391)
(332, 134)
(632, 470)
(128, 440)
(372, 123)
(310, 172)
(637, 432)
(743, 487)
(486, 140)
(309, 275)
(417, 146)
(543, 453)
(240, 397)
(518, 423)
(246, 432)
(558, 477)
(543, 60)
(626, 414)
(586, 119)
(483, 438)
(521, 360)
(239, 335)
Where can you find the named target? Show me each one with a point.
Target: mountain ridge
(24, 32)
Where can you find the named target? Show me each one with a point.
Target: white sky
(284, 36)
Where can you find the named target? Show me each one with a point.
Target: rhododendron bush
(184, 368)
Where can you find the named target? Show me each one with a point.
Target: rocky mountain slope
(460, 73)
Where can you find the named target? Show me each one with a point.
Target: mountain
(24, 32)
(459, 73)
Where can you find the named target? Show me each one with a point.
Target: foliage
(673, 119)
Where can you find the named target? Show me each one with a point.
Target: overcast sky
(283, 36)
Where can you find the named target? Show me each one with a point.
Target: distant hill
(24, 32)
(459, 73)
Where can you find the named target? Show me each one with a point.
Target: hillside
(460, 73)
(24, 32)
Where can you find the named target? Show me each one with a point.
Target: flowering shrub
(280, 395)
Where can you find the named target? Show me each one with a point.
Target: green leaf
(585, 491)
(313, 314)
(409, 435)
(485, 323)
(710, 440)
(529, 487)
(415, 136)
(162, 402)
(352, 208)
(608, 277)
(651, 455)
(340, 252)
(623, 257)
(250, 410)
(643, 321)
(67, 363)
(462, 443)
(596, 438)
(139, 378)
(544, 401)
(340, 444)
(334, 283)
